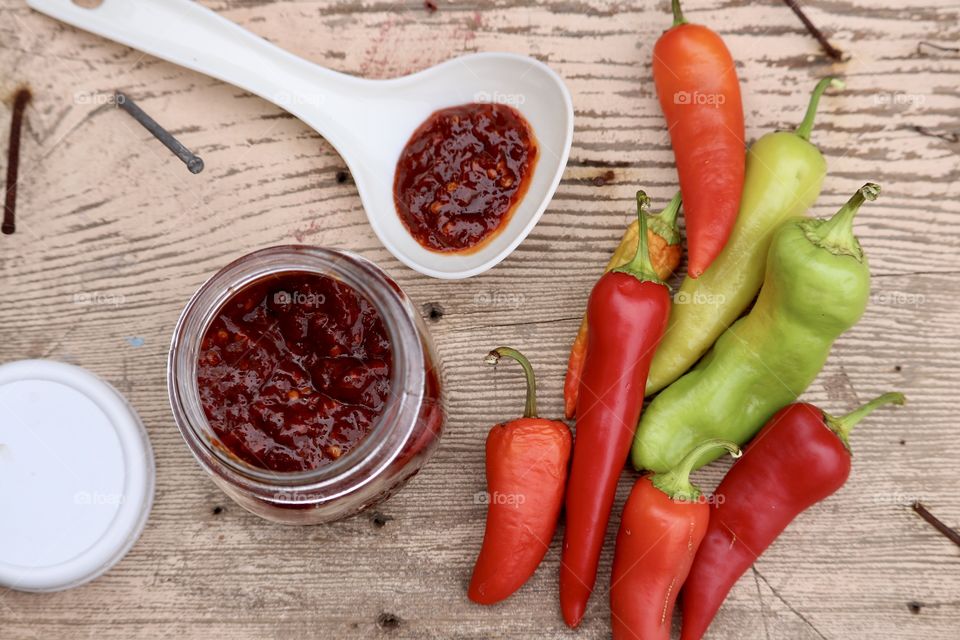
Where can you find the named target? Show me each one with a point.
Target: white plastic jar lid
(76, 476)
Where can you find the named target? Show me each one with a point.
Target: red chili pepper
(527, 461)
(663, 237)
(699, 93)
(627, 313)
(799, 458)
(663, 522)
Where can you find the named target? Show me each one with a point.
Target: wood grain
(114, 235)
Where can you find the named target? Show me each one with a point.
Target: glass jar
(400, 439)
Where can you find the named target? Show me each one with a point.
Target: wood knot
(433, 311)
(379, 519)
(604, 178)
(388, 621)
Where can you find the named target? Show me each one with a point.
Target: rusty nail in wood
(828, 48)
(20, 101)
(194, 163)
(937, 524)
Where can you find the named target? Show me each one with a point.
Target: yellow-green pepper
(816, 287)
(783, 179)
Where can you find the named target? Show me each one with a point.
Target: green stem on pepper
(640, 267)
(664, 224)
(676, 482)
(843, 425)
(678, 18)
(530, 409)
(836, 234)
(806, 126)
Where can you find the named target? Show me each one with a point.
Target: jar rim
(377, 449)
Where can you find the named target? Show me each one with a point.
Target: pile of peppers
(767, 292)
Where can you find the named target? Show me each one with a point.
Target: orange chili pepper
(527, 461)
(663, 241)
(663, 523)
(699, 93)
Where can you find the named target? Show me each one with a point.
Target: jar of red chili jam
(304, 382)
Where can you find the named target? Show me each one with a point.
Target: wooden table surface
(115, 235)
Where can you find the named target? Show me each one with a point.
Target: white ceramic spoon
(367, 121)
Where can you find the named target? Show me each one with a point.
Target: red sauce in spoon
(462, 174)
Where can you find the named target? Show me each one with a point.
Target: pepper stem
(530, 409)
(836, 234)
(844, 425)
(806, 126)
(678, 18)
(664, 224)
(640, 267)
(676, 482)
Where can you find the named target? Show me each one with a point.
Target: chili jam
(462, 174)
(294, 370)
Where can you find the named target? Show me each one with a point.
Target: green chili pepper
(816, 286)
(783, 179)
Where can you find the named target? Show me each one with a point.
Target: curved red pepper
(627, 314)
(664, 520)
(699, 94)
(799, 458)
(527, 463)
